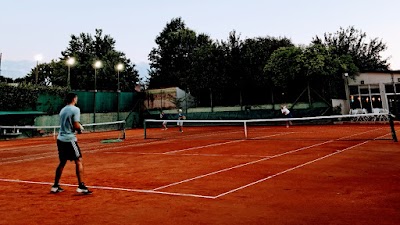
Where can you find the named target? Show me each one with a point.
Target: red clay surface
(299, 175)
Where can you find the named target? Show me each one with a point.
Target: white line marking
(112, 188)
(210, 197)
(293, 168)
(256, 161)
(240, 165)
(204, 146)
(288, 170)
(26, 160)
(222, 143)
(86, 151)
(155, 153)
(23, 156)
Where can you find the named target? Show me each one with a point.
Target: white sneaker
(84, 190)
(56, 189)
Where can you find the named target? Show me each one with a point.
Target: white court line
(27, 159)
(240, 165)
(87, 151)
(112, 188)
(155, 153)
(288, 170)
(222, 143)
(23, 156)
(194, 195)
(293, 168)
(204, 146)
(256, 161)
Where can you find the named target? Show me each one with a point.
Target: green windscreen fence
(105, 102)
(127, 101)
(50, 104)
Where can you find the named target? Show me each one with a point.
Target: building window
(374, 89)
(353, 90)
(364, 90)
(389, 88)
(376, 101)
(355, 102)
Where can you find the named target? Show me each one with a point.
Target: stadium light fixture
(346, 90)
(119, 67)
(70, 62)
(97, 65)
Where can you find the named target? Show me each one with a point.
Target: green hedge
(25, 97)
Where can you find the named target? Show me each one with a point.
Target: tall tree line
(86, 49)
(259, 70)
(234, 71)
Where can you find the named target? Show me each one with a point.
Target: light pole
(38, 58)
(119, 67)
(97, 65)
(347, 91)
(70, 62)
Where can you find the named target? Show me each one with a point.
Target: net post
(123, 130)
(144, 128)
(245, 129)
(392, 128)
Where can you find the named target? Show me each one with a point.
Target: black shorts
(289, 115)
(68, 150)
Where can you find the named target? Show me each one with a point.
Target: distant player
(285, 111)
(180, 117)
(164, 123)
(67, 144)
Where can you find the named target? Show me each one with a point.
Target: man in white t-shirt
(164, 123)
(180, 117)
(286, 112)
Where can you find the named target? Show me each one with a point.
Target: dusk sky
(44, 27)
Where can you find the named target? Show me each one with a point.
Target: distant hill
(16, 69)
(143, 68)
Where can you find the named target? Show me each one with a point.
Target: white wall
(375, 78)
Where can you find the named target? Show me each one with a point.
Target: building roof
(385, 72)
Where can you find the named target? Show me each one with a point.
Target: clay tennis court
(342, 174)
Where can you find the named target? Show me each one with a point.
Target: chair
(357, 112)
(381, 114)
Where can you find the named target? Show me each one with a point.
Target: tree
(283, 66)
(5, 79)
(86, 49)
(206, 77)
(350, 41)
(234, 71)
(255, 53)
(314, 67)
(170, 61)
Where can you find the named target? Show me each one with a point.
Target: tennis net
(341, 127)
(104, 132)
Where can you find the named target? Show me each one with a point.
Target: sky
(32, 27)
